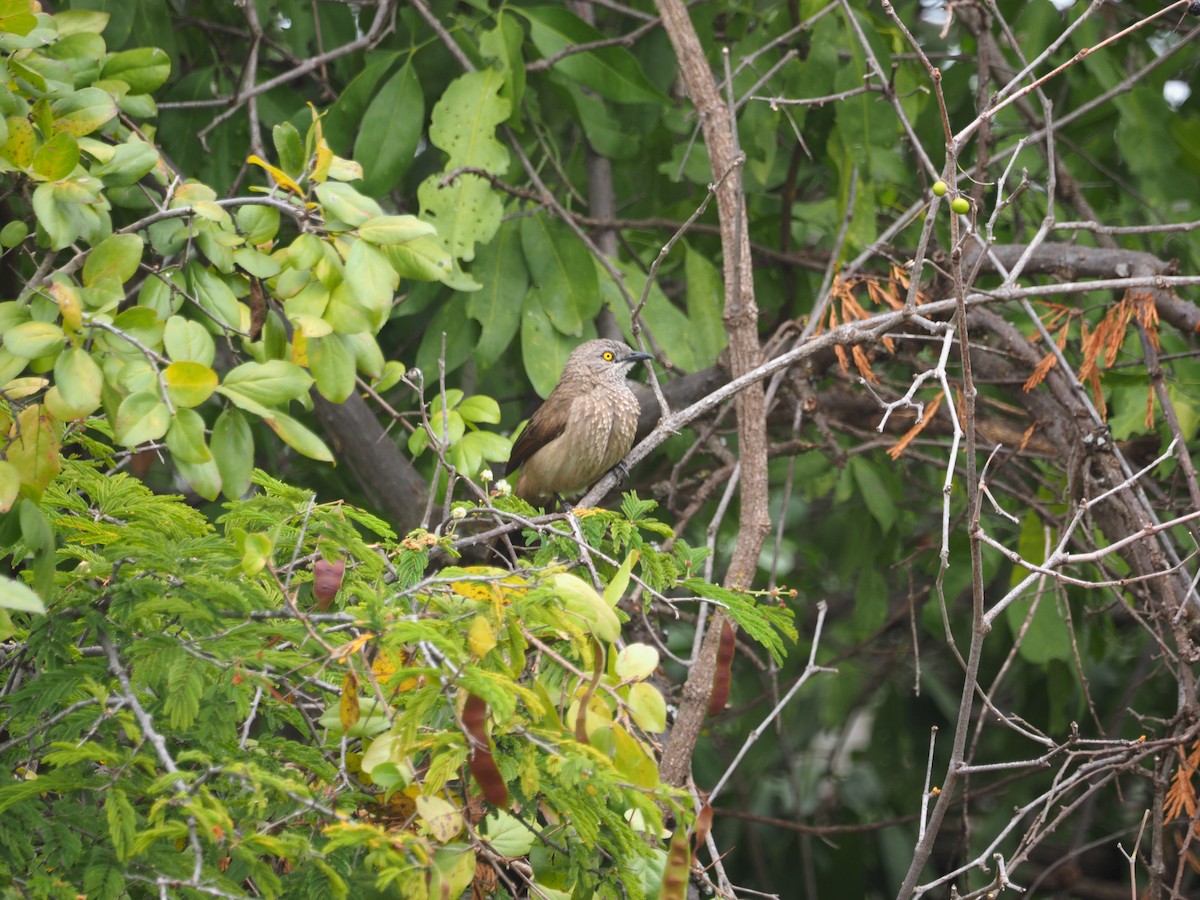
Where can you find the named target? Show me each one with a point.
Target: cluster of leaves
(129, 321)
(185, 715)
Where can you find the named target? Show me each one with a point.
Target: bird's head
(602, 360)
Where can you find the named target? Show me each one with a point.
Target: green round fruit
(960, 205)
(939, 189)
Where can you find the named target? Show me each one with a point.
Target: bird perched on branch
(585, 427)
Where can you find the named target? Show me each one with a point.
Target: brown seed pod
(724, 671)
(678, 867)
(703, 826)
(327, 581)
(481, 762)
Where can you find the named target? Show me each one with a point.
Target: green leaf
(611, 71)
(144, 69)
(130, 162)
(305, 251)
(507, 836)
(122, 821)
(79, 380)
(271, 383)
(874, 492)
(503, 46)
(368, 356)
(394, 229)
(33, 340)
(464, 124)
(461, 333)
(256, 553)
(292, 158)
(259, 224)
(390, 132)
(204, 478)
(52, 205)
(766, 623)
(480, 408)
(343, 120)
(666, 322)
(372, 281)
(706, 328)
(615, 589)
(83, 112)
(185, 437)
(344, 205)
(423, 259)
(500, 268)
(57, 158)
(76, 21)
(331, 362)
(1047, 636)
(544, 349)
(233, 450)
(257, 264)
(648, 708)
(633, 759)
(636, 662)
(215, 296)
(185, 340)
(16, 17)
(607, 133)
(17, 596)
(299, 438)
(141, 417)
(13, 233)
(564, 279)
(117, 256)
(141, 324)
(580, 600)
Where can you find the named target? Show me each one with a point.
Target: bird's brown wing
(547, 422)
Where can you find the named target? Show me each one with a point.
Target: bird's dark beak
(635, 357)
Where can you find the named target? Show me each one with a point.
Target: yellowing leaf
(443, 820)
(189, 383)
(348, 708)
(480, 637)
(636, 661)
(67, 298)
(648, 708)
(580, 600)
(281, 177)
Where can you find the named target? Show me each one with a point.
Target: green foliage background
(216, 218)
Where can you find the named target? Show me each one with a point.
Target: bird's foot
(622, 472)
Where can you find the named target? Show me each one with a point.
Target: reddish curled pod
(327, 581)
(481, 762)
(724, 671)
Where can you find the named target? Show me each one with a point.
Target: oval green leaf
(141, 417)
(33, 340)
(117, 256)
(79, 380)
(233, 451)
(185, 438)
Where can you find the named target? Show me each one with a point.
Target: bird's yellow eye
(608, 356)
